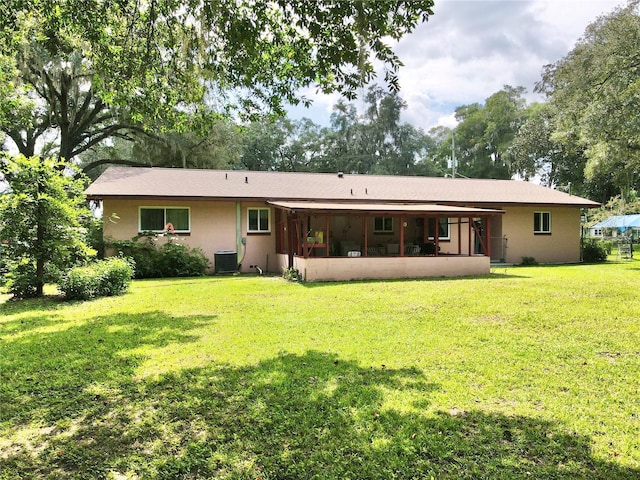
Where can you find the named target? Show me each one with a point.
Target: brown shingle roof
(235, 184)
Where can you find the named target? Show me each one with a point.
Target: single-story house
(616, 225)
(341, 226)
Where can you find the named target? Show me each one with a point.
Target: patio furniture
(412, 250)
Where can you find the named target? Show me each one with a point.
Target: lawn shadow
(312, 415)
(49, 372)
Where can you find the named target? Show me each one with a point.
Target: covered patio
(346, 241)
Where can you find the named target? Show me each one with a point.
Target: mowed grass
(532, 372)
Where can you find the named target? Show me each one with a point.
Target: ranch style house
(343, 226)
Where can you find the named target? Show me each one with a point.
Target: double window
(159, 219)
(541, 222)
(258, 220)
(383, 225)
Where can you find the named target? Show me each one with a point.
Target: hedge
(100, 279)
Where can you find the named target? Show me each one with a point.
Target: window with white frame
(258, 220)
(541, 222)
(443, 228)
(383, 225)
(160, 219)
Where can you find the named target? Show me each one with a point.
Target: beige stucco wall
(261, 248)
(213, 228)
(562, 245)
(345, 268)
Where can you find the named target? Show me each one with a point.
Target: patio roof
(379, 207)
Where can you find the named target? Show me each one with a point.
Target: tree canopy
(595, 92)
(83, 71)
(371, 141)
(483, 135)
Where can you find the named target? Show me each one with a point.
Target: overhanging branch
(110, 161)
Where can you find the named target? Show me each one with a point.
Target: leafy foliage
(94, 235)
(100, 279)
(41, 220)
(20, 278)
(594, 250)
(291, 274)
(535, 152)
(484, 133)
(84, 72)
(370, 142)
(170, 259)
(595, 91)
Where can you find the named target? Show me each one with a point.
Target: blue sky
(469, 49)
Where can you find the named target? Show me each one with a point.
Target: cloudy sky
(469, 49)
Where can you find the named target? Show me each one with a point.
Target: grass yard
(532, 372)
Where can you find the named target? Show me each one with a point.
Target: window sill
(162, 233)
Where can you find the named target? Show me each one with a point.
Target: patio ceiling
(382, 208)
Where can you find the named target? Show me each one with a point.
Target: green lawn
(532, 372)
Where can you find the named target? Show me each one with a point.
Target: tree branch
(110, 161)
(95, 137)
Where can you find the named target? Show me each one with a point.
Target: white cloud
(470, 49)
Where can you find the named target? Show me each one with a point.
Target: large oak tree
(595, 91)
(87, 70)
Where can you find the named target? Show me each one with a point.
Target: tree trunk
(39, 246)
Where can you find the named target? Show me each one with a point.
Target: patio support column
(305, 227)
(436, 235)
(459, 236)
(326, 239)
(488, 235)
(292, 236)
(402, 235)
(470, 230)
(365, 224)
(299, 239)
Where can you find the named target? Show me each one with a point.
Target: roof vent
(340, 174)
(246, 179)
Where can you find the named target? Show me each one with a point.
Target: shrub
(168, 260)
(594, 250)
(144, 254)
(291, 274)
(529, 261)
(100, 279)
(181, 261)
